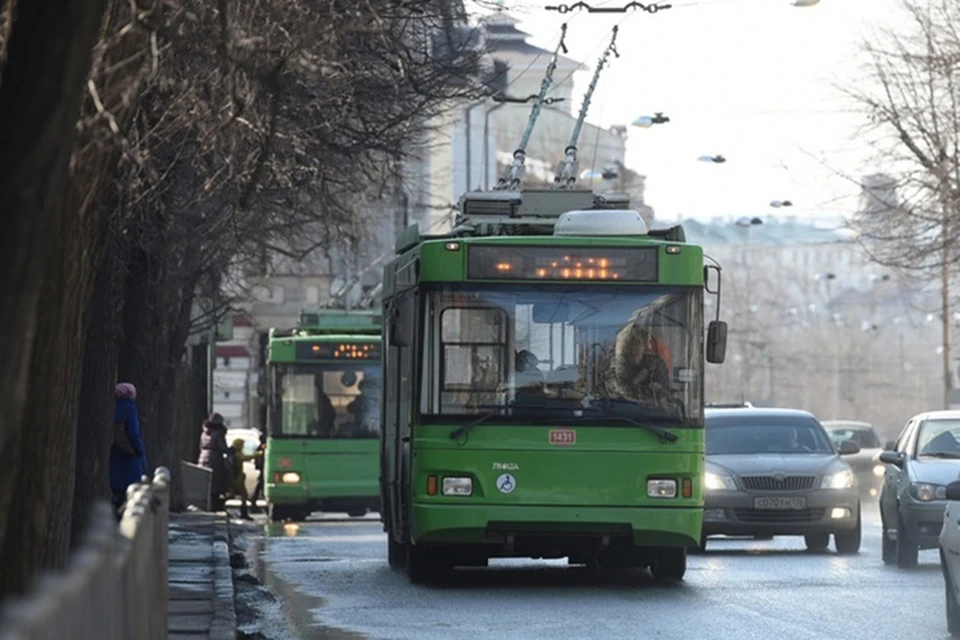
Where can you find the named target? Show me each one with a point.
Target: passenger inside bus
(327, 416)
(365, 409)
(528, 378)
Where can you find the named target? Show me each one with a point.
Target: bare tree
(915, 100)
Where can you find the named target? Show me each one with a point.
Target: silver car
(775, 472)
(924, 460)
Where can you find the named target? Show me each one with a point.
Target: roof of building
(509, 44)
(232, 351)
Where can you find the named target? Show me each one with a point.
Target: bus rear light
(686, 488)
(661, 488)
(431, 485)
(457, 486)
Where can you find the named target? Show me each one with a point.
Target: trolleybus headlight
(290, 477)
(457, 486)
(662, 488)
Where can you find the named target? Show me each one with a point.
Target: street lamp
(747, 221)
(776, 204)
(805, 3)
(645, 122)
(717, 159)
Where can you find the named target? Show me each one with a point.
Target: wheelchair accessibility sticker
(506, 483)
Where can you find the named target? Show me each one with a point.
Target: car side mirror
(716, 341)
(892, 457)
(849, 447)
(953, 490)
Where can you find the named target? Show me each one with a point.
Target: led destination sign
(337, 351)
(635, 264)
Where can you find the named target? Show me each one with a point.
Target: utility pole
(945, 301)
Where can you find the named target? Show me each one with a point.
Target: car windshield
(562, 351)
(939, 438)
(765, 434)
(339, 401)
(866, 438)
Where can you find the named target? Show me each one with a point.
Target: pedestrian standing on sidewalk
(128, 456)
(213, 448)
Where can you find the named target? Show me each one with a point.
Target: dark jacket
(124, 469)
(213, 444)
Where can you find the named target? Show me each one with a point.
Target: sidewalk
(200, 578)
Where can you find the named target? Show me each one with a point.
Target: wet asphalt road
(333, 580)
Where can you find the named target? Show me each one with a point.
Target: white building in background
(235, 376)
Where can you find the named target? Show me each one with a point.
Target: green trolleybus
(323, 418)
(544, 368)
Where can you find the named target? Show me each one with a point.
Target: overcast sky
(749, 79)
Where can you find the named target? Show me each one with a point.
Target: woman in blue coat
(126, 469)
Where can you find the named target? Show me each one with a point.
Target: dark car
(924, 460)
(865, 464)
(775, 472)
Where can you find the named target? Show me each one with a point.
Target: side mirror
(892, 457)
(716, 341)
(849, 447)
(397, 336)
(953, 490)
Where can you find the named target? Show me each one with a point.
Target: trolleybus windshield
(529, 353)
(332, 401)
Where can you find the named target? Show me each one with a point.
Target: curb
(224, 623)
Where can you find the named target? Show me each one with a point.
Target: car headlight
(879, 470)
(713, 481)
(926, 492)
(842, 479)
(661, 488)
(457, 486)
(290, 477)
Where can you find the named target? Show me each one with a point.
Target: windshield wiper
(610, 407)
(941, 454)
(459, 431)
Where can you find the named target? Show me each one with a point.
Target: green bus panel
(600, 479)
(346, 468)
(439, 263)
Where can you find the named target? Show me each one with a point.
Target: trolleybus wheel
(669, 564)
(396, 554)
(424, 565)
(278, 512)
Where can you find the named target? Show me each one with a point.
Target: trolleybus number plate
(563, 437)
(780, 503)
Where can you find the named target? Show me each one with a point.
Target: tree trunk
(98, 379)
(48, 59)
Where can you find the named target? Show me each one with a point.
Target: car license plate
(779, 503)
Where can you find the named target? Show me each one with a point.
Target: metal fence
(114, 586)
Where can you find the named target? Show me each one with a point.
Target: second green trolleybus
(323, 418)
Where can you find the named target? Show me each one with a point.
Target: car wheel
(817, 541)
(952, 608)
(888, 548)
(848, 542)
(669, 564)
(907, 550)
